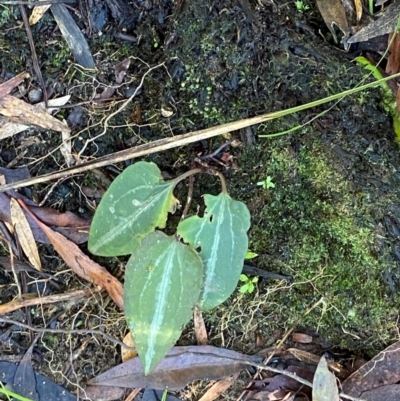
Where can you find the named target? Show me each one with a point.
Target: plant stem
(223, 181)
(187, 174)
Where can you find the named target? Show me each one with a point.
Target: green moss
(317, 232)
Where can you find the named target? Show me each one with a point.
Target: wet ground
(332, 222)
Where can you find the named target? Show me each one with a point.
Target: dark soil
(332, 222)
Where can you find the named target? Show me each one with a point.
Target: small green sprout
(250, 255)
(267, 183)
(248, 285)
(301, 6)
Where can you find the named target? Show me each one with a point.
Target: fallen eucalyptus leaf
(324, 384)
(25, 235)
(181, 366)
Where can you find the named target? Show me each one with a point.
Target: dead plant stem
(62, 331)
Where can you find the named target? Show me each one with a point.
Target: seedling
(267, 183)
(248, 286)
(167, 276)
(250, 255)
(301, 6)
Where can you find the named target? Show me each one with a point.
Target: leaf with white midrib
(221, 235)
(135, 204)
(162, 284)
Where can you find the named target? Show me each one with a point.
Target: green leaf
(251, 255)
(243, 278)
(162, 285)
(244, 288)
(221, 235)
(251, 287)
(135, 204)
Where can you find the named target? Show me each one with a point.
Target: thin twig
(33, 51)
(62, 331)
(180, 140)
(188, 198)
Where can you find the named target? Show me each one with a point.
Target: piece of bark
(73, 36)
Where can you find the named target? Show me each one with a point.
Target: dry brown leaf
(393, 61)
(25, 235)
(126, 353)
(218, 388)
(10, 128)
(304, 356)
(82, 265)
(200, 327)
(24, 113)
(301, 338)
(324, 384)
(181, 366)
(37, 14)
(7, 86)
(68, 224)
(333, 13)
(383, 369)
(359, 9)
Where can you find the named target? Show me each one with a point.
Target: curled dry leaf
(7, 86)
(383, 25)
(127, 354)
(68, 224)
(25, 235)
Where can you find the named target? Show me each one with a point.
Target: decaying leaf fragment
(83, 266)
(24, 113)
(324, 384)
(333, 13)
(383, 25)
(382, 369)
(25, 235)
(37, 13)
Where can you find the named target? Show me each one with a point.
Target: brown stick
(142, 150)
(50, 299)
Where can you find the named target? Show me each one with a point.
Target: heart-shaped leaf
(135, 204)
(221, 235)
(162, 285)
